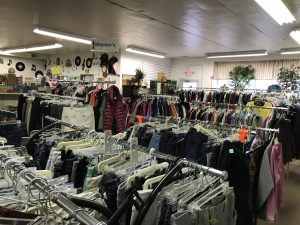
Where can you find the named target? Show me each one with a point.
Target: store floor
(290, 213)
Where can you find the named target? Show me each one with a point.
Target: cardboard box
(161, 76)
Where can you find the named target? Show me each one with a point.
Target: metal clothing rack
(220, 88)
(57, 96)
(161, 96)
(243, 106)
(218, 173)
(83, 82)
(79, 128)
(58, 198)
(2, 111)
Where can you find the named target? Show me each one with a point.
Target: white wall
(150, 65)
(77, 71)
(28, 65)
(203, 70)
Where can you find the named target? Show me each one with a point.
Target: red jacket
(114, 109)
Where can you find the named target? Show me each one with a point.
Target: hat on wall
(104, 60)
(20, 66)
(111, 62)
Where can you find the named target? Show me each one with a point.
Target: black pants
(235, 162)
(194, 146)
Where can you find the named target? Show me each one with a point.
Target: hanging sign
(189, 73)
(56, 70)
(105, 45)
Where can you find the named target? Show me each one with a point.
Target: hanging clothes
(114, 111)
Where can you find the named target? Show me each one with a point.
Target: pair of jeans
(154, 142)
(194, 146)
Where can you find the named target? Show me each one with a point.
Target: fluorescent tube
(61, 35)
(145, 52)
(290, 51)
(277, 10)
(296, 35)
(32, 49)
(236, 54)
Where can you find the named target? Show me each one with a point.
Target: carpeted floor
(290, 213)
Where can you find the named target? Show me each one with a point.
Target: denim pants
(154, 142)
(194, 146)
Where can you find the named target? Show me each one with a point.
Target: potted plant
(241, 76)
(139, 76)
(288, 78)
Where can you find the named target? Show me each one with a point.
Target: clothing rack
(40, 94)
(59, 96)
(243, 106)
(220, 88)
(160, 96)
(66, 124)
(72, 209)
(218, 173)
(2, 111)
(82, 81)
(268, 129)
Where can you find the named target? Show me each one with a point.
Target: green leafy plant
(241, 76)
(288, 77)
(139, 76)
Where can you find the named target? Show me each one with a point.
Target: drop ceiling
(175, 27)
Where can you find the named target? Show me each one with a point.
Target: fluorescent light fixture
(236, 54)
(61, 35)
(32, 49)
(145, 52)
(296, 35)
(290, 51)
(277, 10)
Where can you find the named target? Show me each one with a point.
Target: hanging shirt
(242, 135)
(264, 113)
(275, 200)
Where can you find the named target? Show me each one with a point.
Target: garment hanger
(209, 196)
(157, 179)
(146, 172)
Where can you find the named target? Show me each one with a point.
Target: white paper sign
(105, 45)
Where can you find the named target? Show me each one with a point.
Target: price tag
(231, 151)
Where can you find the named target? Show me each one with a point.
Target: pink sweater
(275, 200)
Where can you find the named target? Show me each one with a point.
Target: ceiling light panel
(32, 49)
(236, 54)
(145, 52)
(296, 35)
(290, 51)
(277, 10)
(61, 35)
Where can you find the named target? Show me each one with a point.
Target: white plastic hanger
(146, 172)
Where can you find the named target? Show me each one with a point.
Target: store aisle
(290, 213)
